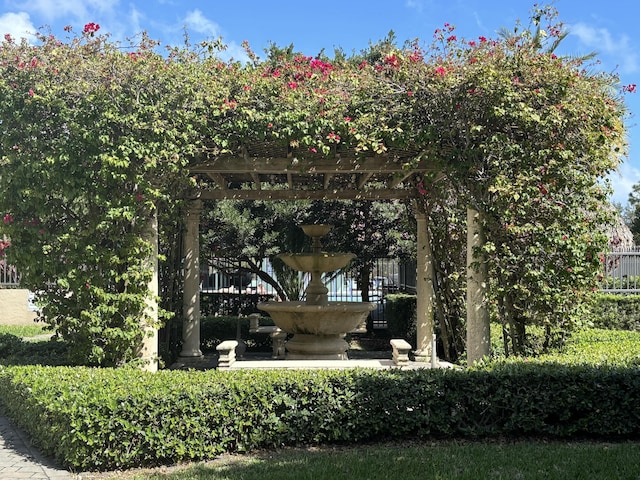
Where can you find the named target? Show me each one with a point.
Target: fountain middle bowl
(316, 262)
(330, 319)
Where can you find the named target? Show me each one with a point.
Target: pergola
(264, 171)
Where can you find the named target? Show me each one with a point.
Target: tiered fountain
(318, 326)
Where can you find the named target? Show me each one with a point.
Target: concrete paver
(18, 459)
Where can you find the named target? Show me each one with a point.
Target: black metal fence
(228, 289)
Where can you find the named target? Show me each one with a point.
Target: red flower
(8, 37)
(416, 57)
(91, 28)
(631, 88)
(441, 71)
(392, 61)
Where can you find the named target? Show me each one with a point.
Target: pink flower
(91, 28)
(292, 85)
(416, 57)
(631, 88)
(313, 150)
(441, 71)
(31, 92)
(392, 61)
(8, 218)
(347, 119)
(8, 37)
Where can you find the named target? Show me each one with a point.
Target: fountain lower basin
(318, 330)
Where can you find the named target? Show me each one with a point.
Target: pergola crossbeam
(350, 194)
(219, 179)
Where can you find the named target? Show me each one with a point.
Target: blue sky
(609, 28)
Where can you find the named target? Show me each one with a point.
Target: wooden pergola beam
(266, 166)
(382, 194)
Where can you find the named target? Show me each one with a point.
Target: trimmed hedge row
(100, 419)
(615, 311)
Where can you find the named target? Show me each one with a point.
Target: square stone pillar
(149, 324)
(478, 325)
(425, 294)
(191, 288)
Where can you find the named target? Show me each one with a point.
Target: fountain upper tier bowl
(316, 262)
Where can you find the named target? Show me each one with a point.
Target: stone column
(191, 289)
(425, 295)
(149, 347)
(478, 331)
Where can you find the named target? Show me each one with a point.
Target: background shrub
(615, 311)
(400, 313)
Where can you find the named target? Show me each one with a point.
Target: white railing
(9, 276)
(622, 271)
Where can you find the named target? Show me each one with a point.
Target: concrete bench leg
(277, 339)
(226, 354)
(401, 349)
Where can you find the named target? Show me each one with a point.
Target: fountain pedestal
(318, 326)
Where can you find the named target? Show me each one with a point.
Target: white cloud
(18, 25)
(623, 182)
(415, 4)
(81, 10)
(604, 42)
(195, 21)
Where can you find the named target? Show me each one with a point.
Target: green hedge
(101, 419)
(615, 311)
(400, 313)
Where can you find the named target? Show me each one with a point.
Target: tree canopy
(97, 135)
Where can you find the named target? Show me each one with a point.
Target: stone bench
(226, 353)
(401, 349)
(278, 336)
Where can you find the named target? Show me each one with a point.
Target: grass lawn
(436, 460)
(23, 330)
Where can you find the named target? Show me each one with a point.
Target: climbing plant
(96, 138)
